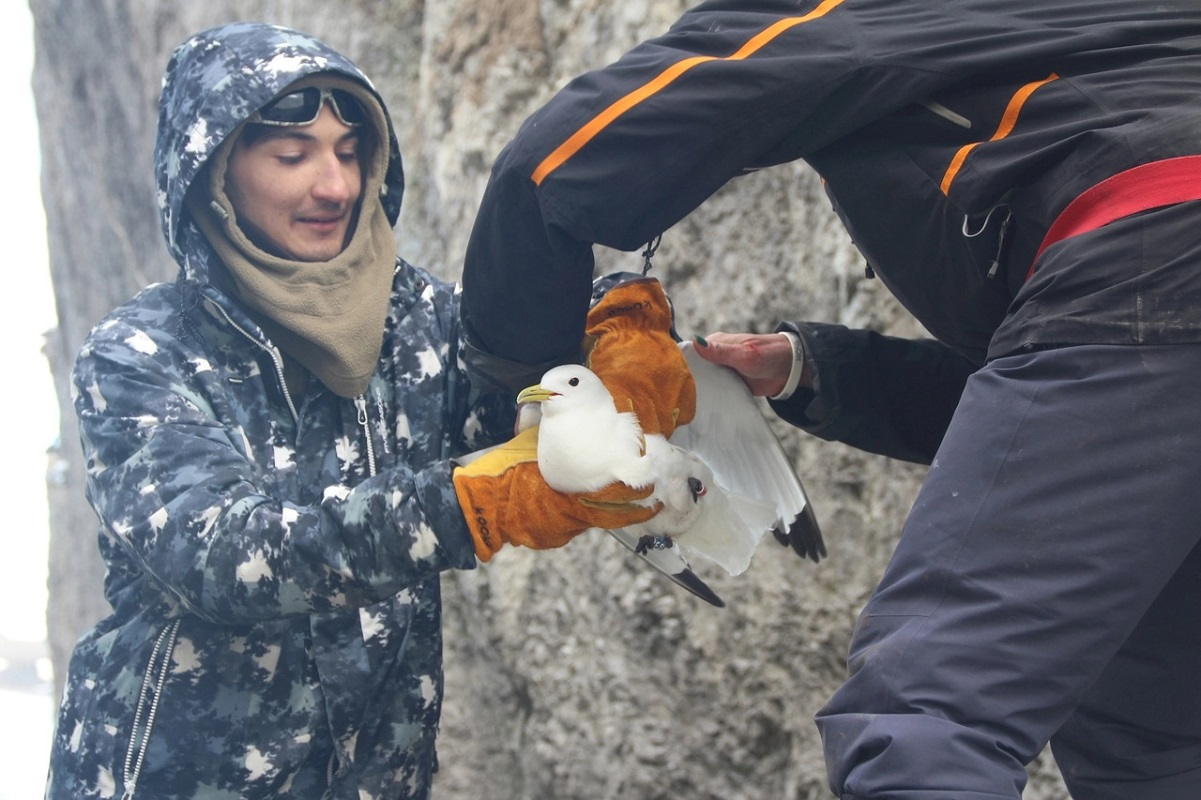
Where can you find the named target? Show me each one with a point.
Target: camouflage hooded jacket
(273, 561)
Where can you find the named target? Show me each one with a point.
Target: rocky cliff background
(576, 673)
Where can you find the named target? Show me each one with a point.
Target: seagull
(585, 443)
(732, 435)
(723, 478)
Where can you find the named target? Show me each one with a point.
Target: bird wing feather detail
(730, 433)
(670, 561)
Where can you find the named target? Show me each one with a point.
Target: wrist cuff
(798, 365)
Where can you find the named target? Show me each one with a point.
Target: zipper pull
(360, 403)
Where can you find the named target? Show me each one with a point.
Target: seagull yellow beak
(534, 394)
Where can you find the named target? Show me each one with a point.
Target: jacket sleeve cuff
(802, 406)
(798, 366)
(437, 496)
(495, 374)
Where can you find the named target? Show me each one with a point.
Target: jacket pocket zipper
(152, 690)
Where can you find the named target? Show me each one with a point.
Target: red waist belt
(1154, 185)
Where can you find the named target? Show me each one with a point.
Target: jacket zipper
(139, 738)
(360, 403)
(276, 358)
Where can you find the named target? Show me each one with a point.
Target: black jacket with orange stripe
(928, 120)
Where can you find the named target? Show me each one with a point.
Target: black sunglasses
(302, 107)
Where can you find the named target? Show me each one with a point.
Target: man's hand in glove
(628, 343)
(506, 501)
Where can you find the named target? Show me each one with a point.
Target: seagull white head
(566, 389)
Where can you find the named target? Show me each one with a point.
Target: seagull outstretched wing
(733, 437)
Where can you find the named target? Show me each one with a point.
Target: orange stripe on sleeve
(1008, 120)
(589, 131)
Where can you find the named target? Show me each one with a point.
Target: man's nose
(335, 181)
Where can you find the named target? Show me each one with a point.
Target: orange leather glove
(506, 501)
(628, 343)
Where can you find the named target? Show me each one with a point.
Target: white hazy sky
(27, 403)
(27, 409)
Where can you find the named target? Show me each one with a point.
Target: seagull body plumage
(700, 514)
(584, 442)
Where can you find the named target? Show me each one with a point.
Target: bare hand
(762, 360)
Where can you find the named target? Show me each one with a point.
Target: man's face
(294, 189)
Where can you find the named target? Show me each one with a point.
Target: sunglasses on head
(302, 107)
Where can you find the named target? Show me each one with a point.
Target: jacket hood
(218, 78)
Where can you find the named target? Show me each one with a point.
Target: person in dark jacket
(270, 444)
(1025, 177)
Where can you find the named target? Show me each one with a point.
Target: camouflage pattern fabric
(273, 561)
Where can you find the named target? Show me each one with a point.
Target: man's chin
(316, 252)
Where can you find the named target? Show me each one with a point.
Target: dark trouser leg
(1136, 735)
(1066, 495)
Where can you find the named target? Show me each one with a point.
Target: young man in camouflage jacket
(269, 442)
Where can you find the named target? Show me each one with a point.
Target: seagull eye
(574, 382)
(697, 488)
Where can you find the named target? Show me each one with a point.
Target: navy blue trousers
(1046, 587)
